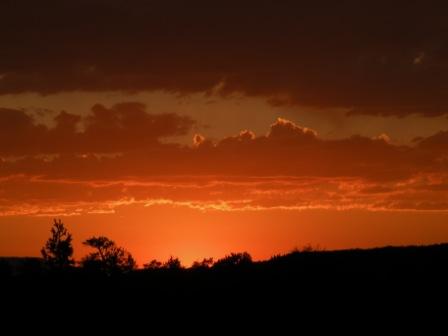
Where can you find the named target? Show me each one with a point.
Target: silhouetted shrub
(172, 264)
(311, 248)
(205, 263)
(153, 264)
(234, 259)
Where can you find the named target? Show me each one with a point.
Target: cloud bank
(115, 156)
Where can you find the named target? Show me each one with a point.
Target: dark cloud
(127, 127)
(18, 133)
(438, 142)
(123, 127)
(372, 57)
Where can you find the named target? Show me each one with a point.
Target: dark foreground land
(392, 282)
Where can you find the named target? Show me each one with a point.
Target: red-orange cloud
(289, 168)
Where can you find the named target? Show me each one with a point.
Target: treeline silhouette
(107, 280)
(109, 260)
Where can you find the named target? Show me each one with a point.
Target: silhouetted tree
(172, 264)
(205, 263)
(58, 250)
(108, 258)
(234, 259)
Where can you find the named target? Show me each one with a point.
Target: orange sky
(174, 132)
(161, 231)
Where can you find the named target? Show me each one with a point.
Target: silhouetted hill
(402, 280)
(17, 266)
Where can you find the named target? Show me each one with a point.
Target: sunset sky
(199, 128)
